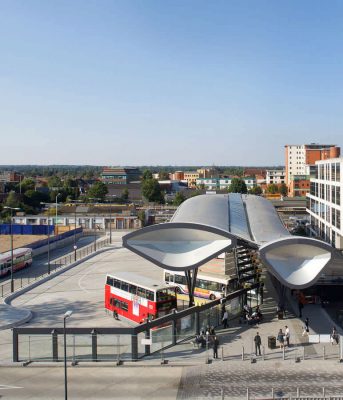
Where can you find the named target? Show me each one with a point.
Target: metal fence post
(134, 347)
(15, 346)
(174, 331)
(197, 322)
(94, 345)
(54, 345)
(147, 346)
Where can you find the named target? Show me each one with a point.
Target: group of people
(283, 337)
(250, 316)
(208, 338)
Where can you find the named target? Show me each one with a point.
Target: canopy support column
(191, 277)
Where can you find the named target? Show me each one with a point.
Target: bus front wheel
(212, 297)
(178, 290)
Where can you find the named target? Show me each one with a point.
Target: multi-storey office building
(118, 175)
(325, 203)
(300, 160)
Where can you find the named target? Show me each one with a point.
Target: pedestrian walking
(300, 307)
(257, 340)
(307, 321)
(334, 336)
(225, 319)
(287, 335)
(215, 347)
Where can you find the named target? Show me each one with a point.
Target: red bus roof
(139, 280)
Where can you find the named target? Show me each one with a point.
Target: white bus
(208, 286)
(22, 258)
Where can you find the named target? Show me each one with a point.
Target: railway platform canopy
(207, 225)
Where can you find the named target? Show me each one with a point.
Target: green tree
(283, 190)
(55, 182)
(33, 198)
(179, 199)
(163, 175)
(237, 186)
(151, 190)
(98, 190)
(27, 184)
(272, 188)
(125, 194)
(12, 200)
(256, 190)
(147, 174)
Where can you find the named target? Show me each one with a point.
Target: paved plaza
(187, 375)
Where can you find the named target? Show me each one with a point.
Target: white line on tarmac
(4, 387)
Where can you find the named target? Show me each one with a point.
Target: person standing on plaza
(215, 347)
(287, 335)
(281, 338)
(257, 340)
(225, 319)
(307, 321)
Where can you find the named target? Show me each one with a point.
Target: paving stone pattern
(233, 379)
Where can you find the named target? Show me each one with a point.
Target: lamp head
(68, 314)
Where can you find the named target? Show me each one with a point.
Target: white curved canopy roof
(207, 225)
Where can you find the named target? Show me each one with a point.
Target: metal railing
(55, 265)
(41, 344)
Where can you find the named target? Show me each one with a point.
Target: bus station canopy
(207, 225)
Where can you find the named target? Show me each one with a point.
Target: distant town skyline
(191, 83)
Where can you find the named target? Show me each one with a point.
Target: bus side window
(150, 295)
(167, 277)
(109, 281)
(141, 292)
(132, 289)
(124, 286)
(180, 279)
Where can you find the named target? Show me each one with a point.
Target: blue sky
(168, 82)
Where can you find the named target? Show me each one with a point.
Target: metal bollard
(263, 353)
(323, 391)
(242, 353)
(298, 392)
(248, 397)
(222, 353)
(283, 352)
(272, 393)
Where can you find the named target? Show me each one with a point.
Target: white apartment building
(325, 201)
(276, 176)
(222, 183)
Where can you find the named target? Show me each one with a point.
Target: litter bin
(271, 342)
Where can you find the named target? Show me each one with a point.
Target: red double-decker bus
(138, 298)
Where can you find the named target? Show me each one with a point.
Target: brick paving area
(232, 379)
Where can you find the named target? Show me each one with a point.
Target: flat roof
(140, 280)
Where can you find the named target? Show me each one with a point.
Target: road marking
(4, 387)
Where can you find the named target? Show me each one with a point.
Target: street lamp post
(12, 208)
(48, 225)
(66, 315)
(110, 223)
(58, 194)
(75, 247)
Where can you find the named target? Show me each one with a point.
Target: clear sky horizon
(177, 82)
